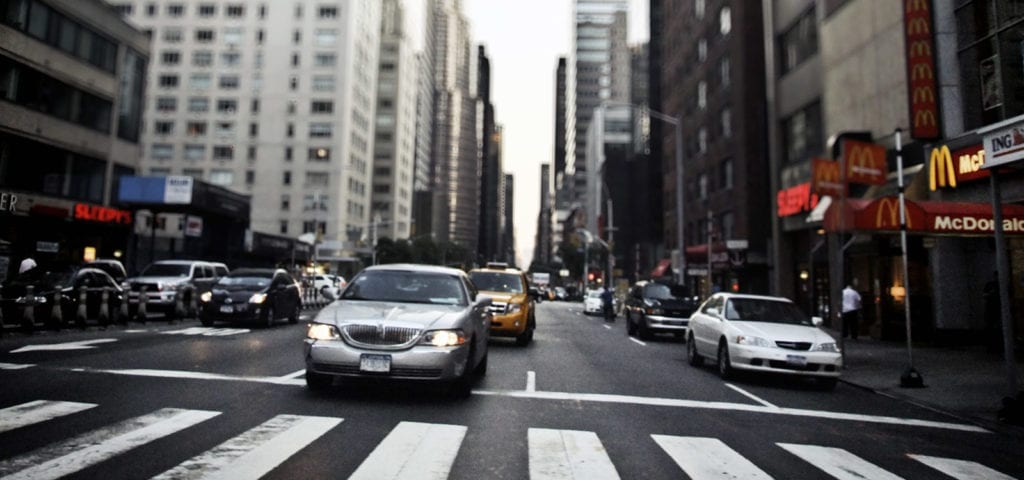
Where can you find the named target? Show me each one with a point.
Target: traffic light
(590, 276)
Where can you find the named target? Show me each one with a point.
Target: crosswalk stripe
(839, 463)
(207, 331)
(961, 469)
(38, 411)
(255, 452)
(708, 458)
(413, 451)
(562, 454)
(70, 456)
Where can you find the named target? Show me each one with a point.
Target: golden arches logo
(940, 169)
(914, 6)
(924, 95)
(921, 71)
(924, 118)
(920, 48)
(889, 209)
(919, 26)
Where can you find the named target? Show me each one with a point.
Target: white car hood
(413, 315)
(782, 332)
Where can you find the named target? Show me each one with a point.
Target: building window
(250, 177)
(168, 81)
(321, 107)
(725, 20)
(286, 203)
(328, 13)
(724, 72)
(320, 154)
(702, 49)
(196, 173)
(323, 83)
(293, 83)
(198, 104)
(702, 95)
(802, 134)
(255, 107)
(250, 153)
(321, 130)
(326, 38)
(232, 36)
(175, 10)
(254, 130)
(202, 58)
(702, 186)
(225, 105)
(799, 42)
(225, 129)
(196, 129)
(699, 8)
(325, 60)
(163, 128)
(702, 140)
(229, 82)
(195, 153)
(297, 37)
(317, 179)
(199, 81)
(289, 130)
(150, 9)
(292, 107)
(283, 229)
(223, 152)
(207, 10)
(222, 177)
(170, 57)
(295, 59)
(166, 104)
(727, 122)
(172, 35)
(725, 174)
(162, 151)
(235, 11)
(286, 178)
(230, 59)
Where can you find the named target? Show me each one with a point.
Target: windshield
(244, 281)
(406, 287)
(497, 282)
(594, 294)
(166, 270)
(659, 292)
(772, 311)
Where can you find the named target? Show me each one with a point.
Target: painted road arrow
(83, 345)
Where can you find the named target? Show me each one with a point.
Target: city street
(584, 400)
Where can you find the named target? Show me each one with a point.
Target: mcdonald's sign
(887, 214)
(947, 169)
(940, 169)
(921, 82)
(865, 162)
(826, 178)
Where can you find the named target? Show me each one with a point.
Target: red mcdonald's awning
(664, 268)
(940, 218)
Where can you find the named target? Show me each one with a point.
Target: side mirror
(484, 300)
(817, 321)
(713, 312)
(329, 294)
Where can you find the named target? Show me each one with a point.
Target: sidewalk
(966, 382)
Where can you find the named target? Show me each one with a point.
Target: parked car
(561, 294)
(512, 301)
(70, 283)
(593, 304)
(324, 282)
(261, 295)
(402, 322)
(167, 280)
(764, 334)
(112, 266)
(653, 307)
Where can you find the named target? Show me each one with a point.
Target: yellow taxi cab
(512, 307)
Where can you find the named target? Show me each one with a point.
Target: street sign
(697, 272)
(1004, 142)
(737, 244)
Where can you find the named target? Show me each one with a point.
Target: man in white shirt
(851, 312)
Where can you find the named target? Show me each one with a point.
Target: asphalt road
(583, 401)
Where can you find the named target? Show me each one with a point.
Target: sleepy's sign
(97, 213)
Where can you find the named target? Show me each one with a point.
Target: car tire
(643, 332)
(630, 326)
(294, 317)
(691, 352)
(270, 313)
(828, 383)
(481, 368)
(524, 339)
(318, 382)
(724, 365)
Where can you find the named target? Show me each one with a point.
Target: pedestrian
(851, 312)
(607, 301)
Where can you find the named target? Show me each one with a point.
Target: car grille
(380, 336)
(794, 345)
(678, 313)
(405, 372)
(497, 308)
(150, 287)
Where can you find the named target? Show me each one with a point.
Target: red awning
(941, 218)
(699, 253)
(664, 268)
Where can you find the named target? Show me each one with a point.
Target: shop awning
(936, 218)
(662, 269)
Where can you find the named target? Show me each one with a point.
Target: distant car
(166, 281)
(764, 334)
(113, 267)
(653, 307)
(260, 295)
(402, 322)
(592, 303)
(324, 282)
(561, 294)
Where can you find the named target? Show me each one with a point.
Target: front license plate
(796, 360)
(375, 363)
(226, 309)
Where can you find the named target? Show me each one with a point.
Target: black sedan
(261, 295)
(653, 307)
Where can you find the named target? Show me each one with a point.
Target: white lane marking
(81, 452)
(295, 374)
(708, 458)
(637, 341)
(207, 331)
(608, 327)
(751, 396)
(82, 345)
(38, 411)
(739, 407)
(961, 469)
(568, 454)
(584, 397)
(413, 451)
(141, 372)
(839, 463)
(531, 381)
(15, 366)
(137, 331)
(255, 452)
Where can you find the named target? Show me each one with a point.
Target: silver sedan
(402, 322)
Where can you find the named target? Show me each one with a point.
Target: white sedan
(757, 333)
(593, 304)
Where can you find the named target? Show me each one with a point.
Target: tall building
(543, 241)
(712, 77)
(276, 100)
(394, 140)
(455, 167)
(422, 197)
(563, 196)
(598, 71)
(71, 103)
(490, 165)
(508, 232)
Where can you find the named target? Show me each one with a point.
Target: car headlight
(514, 307)
(654, 311)
(258, 298)
(206, 297)
(755, 341)
(322, 331)
(443, 338)
(830, 347)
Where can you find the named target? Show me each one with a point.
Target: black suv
(657, 307)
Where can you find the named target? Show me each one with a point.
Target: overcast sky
(524, 39)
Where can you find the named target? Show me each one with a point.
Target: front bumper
(239, 312)
(419, 363)
(508, 325)
(667, 324)
(165, 299)
(792, 362)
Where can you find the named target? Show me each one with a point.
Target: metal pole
(611, 231)
(1003, 271)
(910, 378)
(680, 239)
(710, 278)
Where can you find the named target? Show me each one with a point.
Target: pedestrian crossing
(207, 331)
(412, 450)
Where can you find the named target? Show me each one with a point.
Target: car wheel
(524, 339)
(270, 313)
(318, 382)
(630, 326)
(645, 333)
(294, 317)
(481, 368)
(724, 367)
(206, 321)
(827, 383)
(691, 352)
